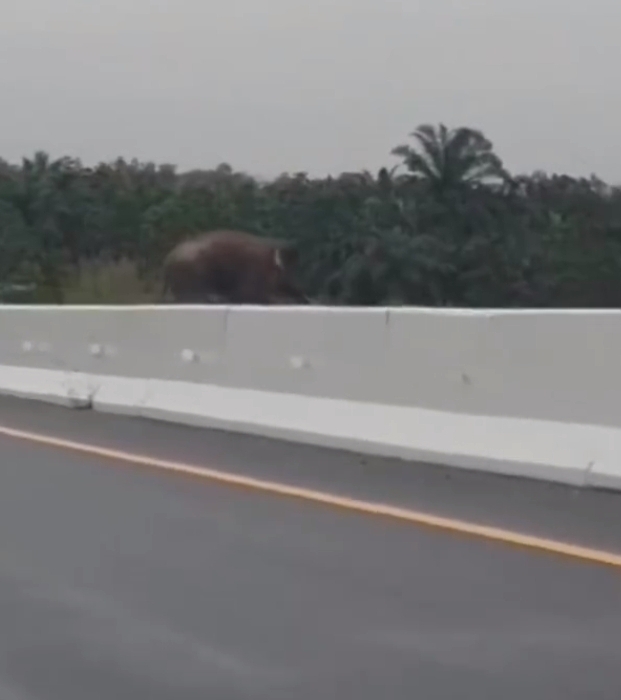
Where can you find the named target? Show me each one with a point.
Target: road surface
(123, 582)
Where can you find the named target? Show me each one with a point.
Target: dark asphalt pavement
(117, 582)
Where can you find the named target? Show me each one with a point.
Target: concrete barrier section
(307, 351)
(530, 393)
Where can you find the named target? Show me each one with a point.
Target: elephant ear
(286, 256)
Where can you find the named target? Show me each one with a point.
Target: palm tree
(451, 158)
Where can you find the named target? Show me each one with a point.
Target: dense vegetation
(448, 226)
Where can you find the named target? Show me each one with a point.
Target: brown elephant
(232, 267)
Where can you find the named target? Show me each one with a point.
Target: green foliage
(448, 226)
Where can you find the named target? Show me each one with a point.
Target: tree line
(447, 226)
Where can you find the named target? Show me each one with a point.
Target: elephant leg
(252, 291)
(289, 290)
(216, 299)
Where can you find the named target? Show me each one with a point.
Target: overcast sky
(322, 86)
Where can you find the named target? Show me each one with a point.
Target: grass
(109, 283)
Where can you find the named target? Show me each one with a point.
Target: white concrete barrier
(531, 393)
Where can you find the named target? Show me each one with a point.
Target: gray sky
(321, 86)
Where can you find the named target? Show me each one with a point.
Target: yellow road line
(352, 504)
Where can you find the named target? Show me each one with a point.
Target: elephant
(227, 266)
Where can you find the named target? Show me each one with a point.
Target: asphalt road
(119, 582)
